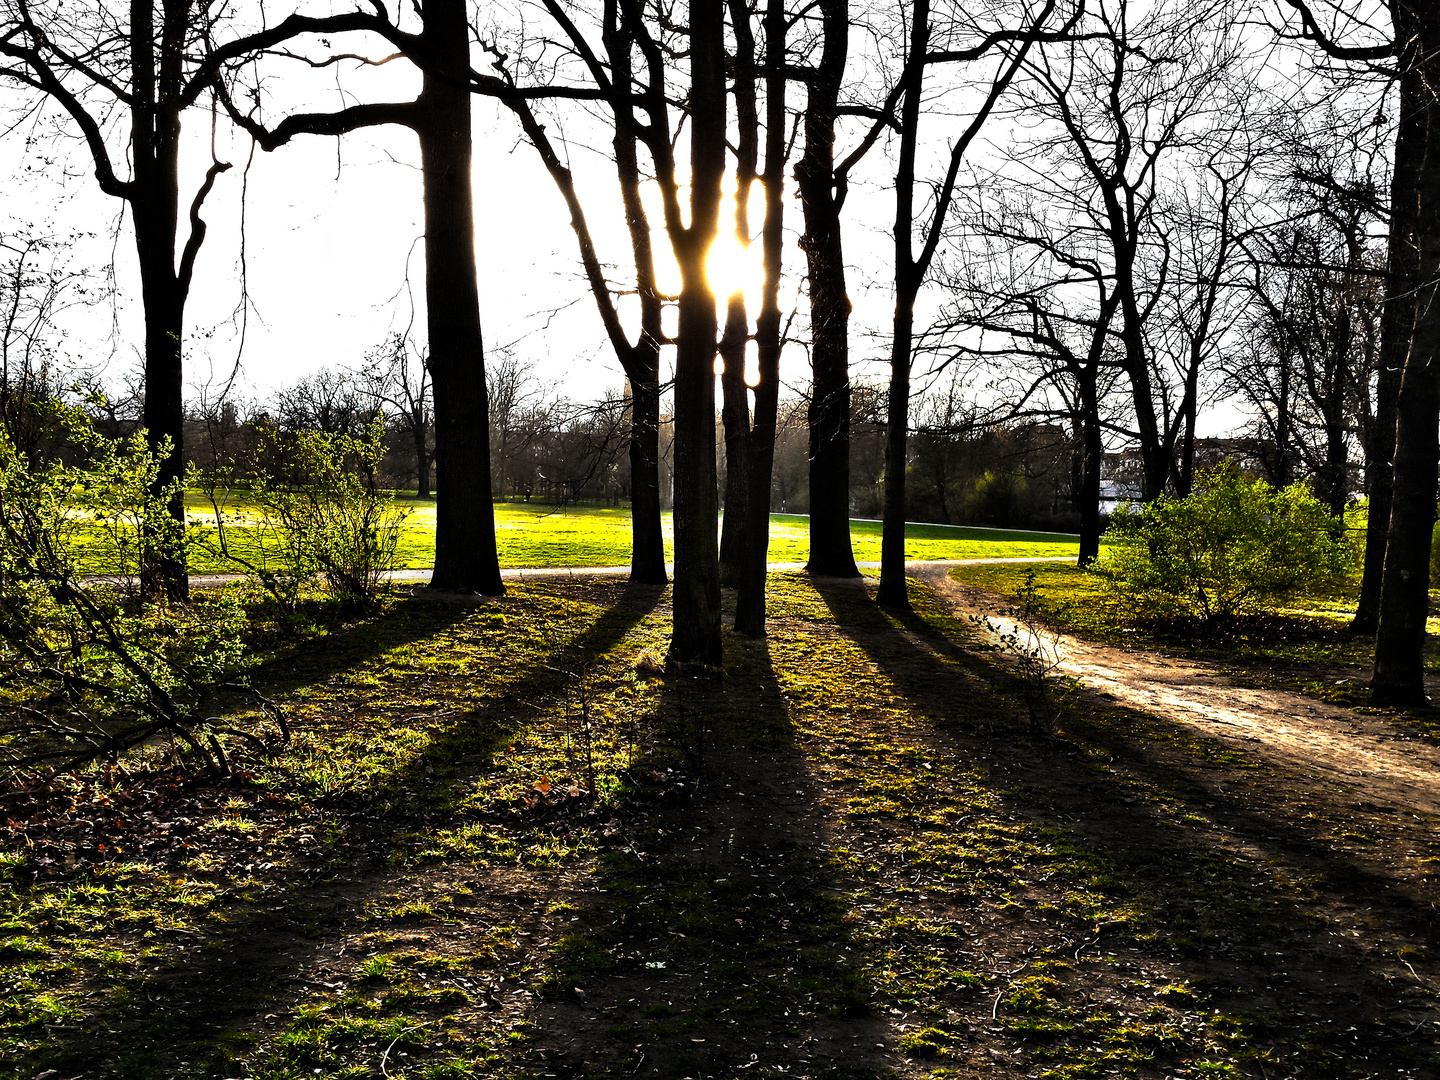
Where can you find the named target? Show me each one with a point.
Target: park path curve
(1328, 743)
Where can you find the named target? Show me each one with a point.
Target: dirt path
(1327, 743)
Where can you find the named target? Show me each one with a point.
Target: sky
(330, 254)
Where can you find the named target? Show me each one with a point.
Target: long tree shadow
(1213, 885)
(715, 939)
(191, 1013)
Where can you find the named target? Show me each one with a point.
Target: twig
(385, 1056)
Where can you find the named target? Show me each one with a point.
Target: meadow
(542, 535)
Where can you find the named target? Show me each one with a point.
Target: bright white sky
(333, 251)
(333, 254)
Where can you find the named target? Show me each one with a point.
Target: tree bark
(1092, 457)
(1397, 321)
(735, 419)
(750, 600)
(1405, 587)
(695, 637)
(155, 206)
(893, 591)
(831, 554)
(465, 554)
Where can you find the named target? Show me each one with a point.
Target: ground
(504, 843)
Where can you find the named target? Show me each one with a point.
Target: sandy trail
(1328, 743)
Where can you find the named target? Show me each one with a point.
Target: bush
(320, 518)
(1234, 546)
(1435, 554)
(89, 672)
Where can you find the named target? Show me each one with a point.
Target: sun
(727, 266)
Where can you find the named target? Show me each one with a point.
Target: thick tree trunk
(829, 413)
(735, 417)
(1405, 590)
(1397, 321)
(155, 206)
(465, 555)
(162, 566)
(750, 599)
(1405, 587)
(696, 636)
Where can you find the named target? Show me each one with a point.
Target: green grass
(422, 866)
(535, 535)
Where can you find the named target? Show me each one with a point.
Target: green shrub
(1435, 554)
(322, 519)
(1234, 546)
(89, 670)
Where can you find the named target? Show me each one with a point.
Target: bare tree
(517, 415)
(398, 382)
(929, 46)
(151, 67)
(36, 285)
(639, 354)
(1410, 323)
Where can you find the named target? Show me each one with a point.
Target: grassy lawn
(533, 535)
(503, 844)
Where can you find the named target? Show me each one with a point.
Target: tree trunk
(465, 555)
(1405, 589)
(893, 591)
(1397, 321)
(750, 599)
(162, 566)
(155, 205)
(647, 544)
(829, 414)
(1092, 457)
(422, 460)
(1405, 586)
(696, 636)
(735, 417)
(1379, 474)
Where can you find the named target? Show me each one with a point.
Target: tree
(35, 286)
(911, 266)
(641, 50)
(1307, 365)
(398, 382)
(516, 409)
(638, 355)
(150, 67)
(1410, 326)
(696, 633)
(465, 556)
(822, 189)
(750, 439)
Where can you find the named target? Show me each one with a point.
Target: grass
(503, 844)
(535, 535)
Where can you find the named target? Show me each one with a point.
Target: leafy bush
(1234, 546)
(89, 672)
(320, 518)
(1435, 554)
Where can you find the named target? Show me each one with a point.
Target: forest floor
(846, 858)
